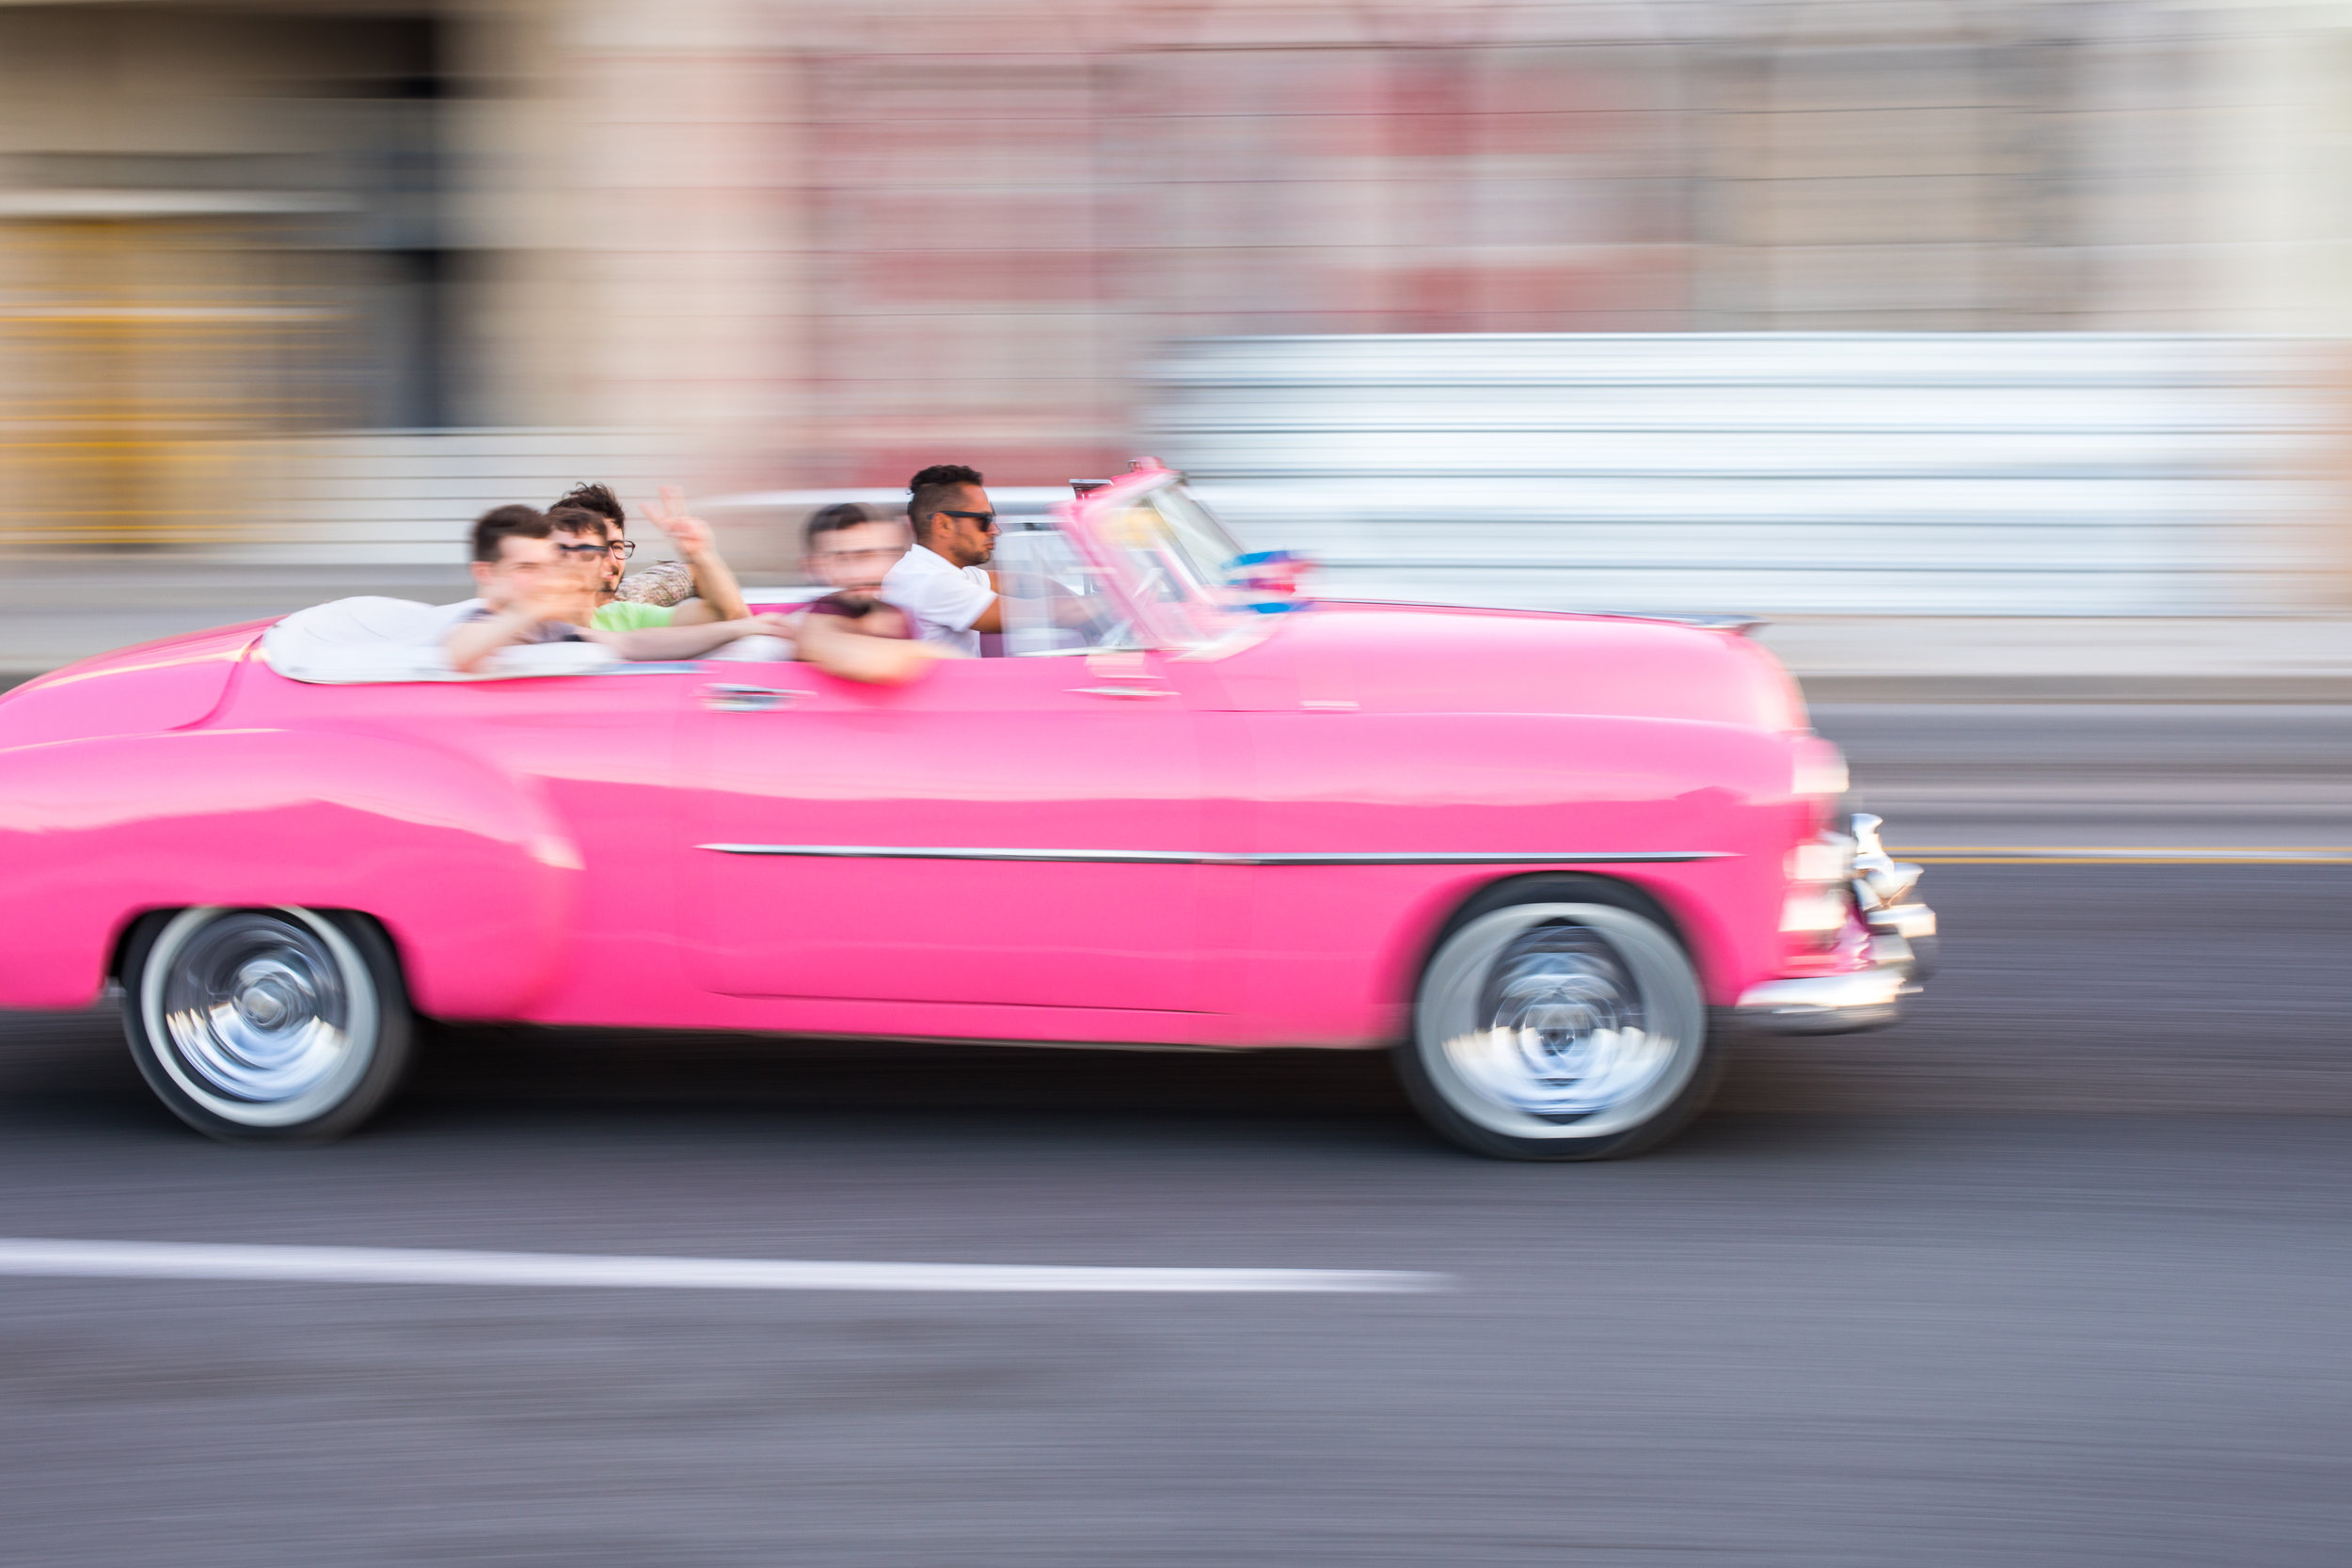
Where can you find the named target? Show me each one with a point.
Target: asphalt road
(2067, 773)
(1924, 1297)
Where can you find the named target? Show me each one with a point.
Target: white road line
(360, 1265)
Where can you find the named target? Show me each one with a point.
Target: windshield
(1179, 559)
(1054, 600)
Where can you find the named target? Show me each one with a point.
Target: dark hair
(494, 528)
(579, 520)
(840, 514)
(597, 499)
(927, 491)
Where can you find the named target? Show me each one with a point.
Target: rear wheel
(266, 1025)
(1559, 1022)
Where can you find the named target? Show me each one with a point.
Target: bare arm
(835, 646)
(692, 640)
(474, 642)
(718, 594)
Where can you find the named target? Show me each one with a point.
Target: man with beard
(852, 631)
(943, 583)
(538, 577)
(697, 587)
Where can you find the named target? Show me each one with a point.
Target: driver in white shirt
(944, 583)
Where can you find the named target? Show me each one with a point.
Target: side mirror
(1268, 582)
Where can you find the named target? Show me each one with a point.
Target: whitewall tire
(266, 1025)
(1563, 1022)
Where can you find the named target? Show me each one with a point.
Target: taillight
(1820, 900)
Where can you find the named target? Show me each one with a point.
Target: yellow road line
(2238, 854)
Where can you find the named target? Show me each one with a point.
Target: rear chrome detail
(1824, 1004)
(1850, 874)
(1879, 878)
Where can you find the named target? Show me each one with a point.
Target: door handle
(1124, 691)
(747, 699)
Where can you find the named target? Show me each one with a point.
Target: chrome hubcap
(1562, 1033)
(265, 1015)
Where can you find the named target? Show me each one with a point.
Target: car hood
(1431, 658)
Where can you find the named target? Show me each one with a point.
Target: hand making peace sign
(691, 534)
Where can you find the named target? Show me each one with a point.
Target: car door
(1023, 830)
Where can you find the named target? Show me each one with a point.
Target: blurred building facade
(325, 275)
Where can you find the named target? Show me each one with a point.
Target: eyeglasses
(583, 549)
(986, 519)
(623, 548)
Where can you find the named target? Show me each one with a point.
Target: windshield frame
(1203, 623)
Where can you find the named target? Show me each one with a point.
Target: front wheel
(1548, 1029)
(266, 1025)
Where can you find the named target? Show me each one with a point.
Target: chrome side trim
(1196, 857)
(1610, 857)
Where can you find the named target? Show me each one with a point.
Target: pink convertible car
(1547, 862)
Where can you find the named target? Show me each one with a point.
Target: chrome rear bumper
(1826, 1004)
(1902, 947)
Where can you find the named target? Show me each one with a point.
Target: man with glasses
(538, 575)
(944, 583)
(660, 596)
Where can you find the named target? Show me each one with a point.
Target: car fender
(473, 875)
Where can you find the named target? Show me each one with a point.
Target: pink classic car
(1544, 859)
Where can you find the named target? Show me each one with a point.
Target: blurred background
(1882, 318)
(1995, 350)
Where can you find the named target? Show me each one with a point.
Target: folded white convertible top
(355, 642)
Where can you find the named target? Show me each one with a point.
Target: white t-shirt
(943, 599)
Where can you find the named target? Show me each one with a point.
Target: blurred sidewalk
(2068, 659)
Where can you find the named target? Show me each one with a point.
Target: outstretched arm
(719, 597)
(835, 646)
(691, 641)
(474, 642)
(470, 643)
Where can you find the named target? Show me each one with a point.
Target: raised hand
(691, 534)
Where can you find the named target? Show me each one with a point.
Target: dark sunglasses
(986, 519)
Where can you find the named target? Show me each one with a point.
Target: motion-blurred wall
(322, 279)
(1847, 474)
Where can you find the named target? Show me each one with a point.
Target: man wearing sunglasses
(538, 574)
(944, 583)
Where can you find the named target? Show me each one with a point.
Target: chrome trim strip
(1587, 856)
(1195, 857)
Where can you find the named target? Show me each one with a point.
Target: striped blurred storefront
(314, 283)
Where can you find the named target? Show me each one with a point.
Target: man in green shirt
(664, 582)
(719, 597)
(621, 615)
